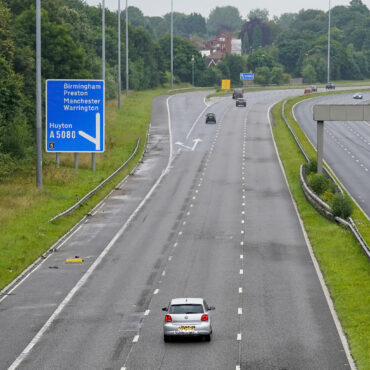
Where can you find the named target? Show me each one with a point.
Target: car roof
(210, 114)
(186, 301)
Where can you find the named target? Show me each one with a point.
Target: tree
(196, 24)
(262, 75)
(286, 20)
(277, 75)
(359, 6)
(224, 18)
(245, 43)
(291, 48)
(257, 38)
(159, 26)
(309, 74)
(14, 131)
(261, 14)
(231, 67)
(260, 58)
(183, 52)
(135, 17)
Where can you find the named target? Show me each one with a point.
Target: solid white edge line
(85, 277)
(197, 119)
(315, 263)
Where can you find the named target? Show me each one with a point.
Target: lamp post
(119, 54)
(38, 97)
(171, 44)
(329, 43)
(192, 75)
(93, 160)
(127, 86)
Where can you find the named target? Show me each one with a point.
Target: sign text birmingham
(78, 107)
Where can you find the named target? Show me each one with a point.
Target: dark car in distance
(240, 101)
(210, 118)
(238, 93)
(330, 86)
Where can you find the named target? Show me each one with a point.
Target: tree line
(292, 45)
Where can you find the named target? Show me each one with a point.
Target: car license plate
(186, 328)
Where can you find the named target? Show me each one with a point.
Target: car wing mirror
(164, 308)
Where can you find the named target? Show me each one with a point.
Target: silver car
(187, 317)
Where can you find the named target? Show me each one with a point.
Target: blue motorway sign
(75, 116)
(247, 76)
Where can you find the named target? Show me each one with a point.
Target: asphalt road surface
(346, 145)
(207, 214)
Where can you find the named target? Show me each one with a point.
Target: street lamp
(126, 50)
(171, 44)
(192, 60)
(329, 44)
(38, 97)
(119, 54)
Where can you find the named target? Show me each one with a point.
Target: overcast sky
(275, 7)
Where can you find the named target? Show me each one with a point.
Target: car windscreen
(186, 308)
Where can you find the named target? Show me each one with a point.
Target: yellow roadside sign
(225, 85)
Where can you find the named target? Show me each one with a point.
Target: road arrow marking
(196, 142)
(94, 140)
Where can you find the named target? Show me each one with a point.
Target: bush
(341, 206)
(7, 166)
(327, 196)
(318, 183)
(311, 166)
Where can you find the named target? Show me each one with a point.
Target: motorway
(346, 145)
(207, 214)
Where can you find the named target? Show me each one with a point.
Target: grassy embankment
(25, 210)
(345, 268)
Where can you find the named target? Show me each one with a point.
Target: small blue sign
(247, 76)
(75, 116)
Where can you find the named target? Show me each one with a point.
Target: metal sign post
(320, 145)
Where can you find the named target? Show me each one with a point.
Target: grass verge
(345, 268)
(25, 210)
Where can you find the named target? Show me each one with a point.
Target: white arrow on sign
(196, 141)
(94, 140)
